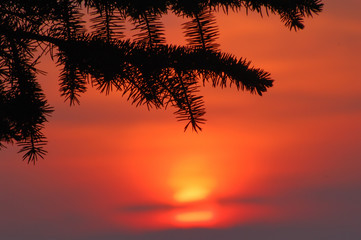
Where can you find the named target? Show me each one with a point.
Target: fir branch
(108, 23)
(23, 105)
(190, 107)
(67, 21)
(201, 31)
(72, 84)
(151, 30)
(147, 70)
(33, 149)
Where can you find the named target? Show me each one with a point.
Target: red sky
(286, 164)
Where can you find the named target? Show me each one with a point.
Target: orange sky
(291, 157)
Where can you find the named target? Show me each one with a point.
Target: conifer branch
(147, 70)
(201, 31)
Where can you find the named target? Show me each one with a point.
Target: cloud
(247, 232)
(145, 208)
(152, 207)
(242, 200)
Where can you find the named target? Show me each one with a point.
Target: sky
(282, 166)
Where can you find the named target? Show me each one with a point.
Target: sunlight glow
(198, 216)
(191, 194)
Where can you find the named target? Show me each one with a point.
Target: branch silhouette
(147, 70)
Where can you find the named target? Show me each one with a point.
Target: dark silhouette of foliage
(146, 69)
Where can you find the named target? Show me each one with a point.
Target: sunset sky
(282, 166)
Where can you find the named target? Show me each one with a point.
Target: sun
(191, 194)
